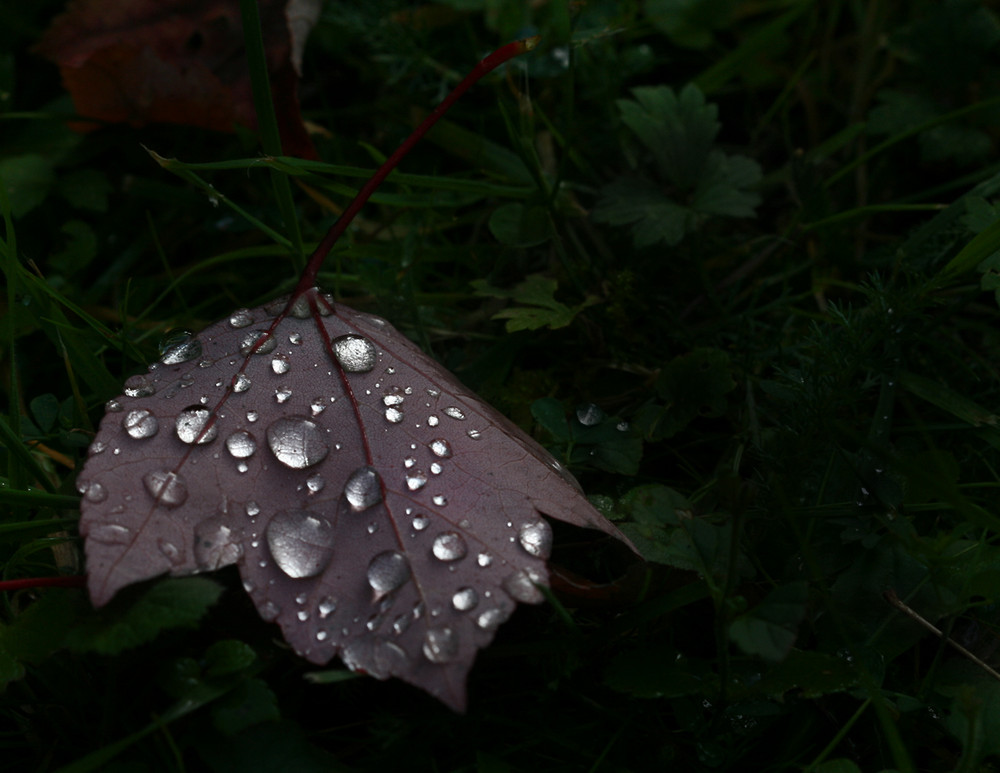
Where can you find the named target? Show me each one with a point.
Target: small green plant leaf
(770, 629)
(518, 225)
(538, 308)
(642, 204)
(27, 179)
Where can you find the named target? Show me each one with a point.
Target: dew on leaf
(297, 442)
(282, 395)
(111, 534)
(484, 560)
(240, 318)
(465, 599)
(300, 542)
(491, 619)
(269, 611)
(436, 468)
(393, 415)
(241, 382)
(520, 586)
(441, 448)
(355, 353)
(536, 538)
(169, 551)
(474, 434)
(192, 425)
(139, 386)
(440, 645)
(315, 483)
(327, 607)
(249, 342)
(215, 545)
(280, 364)
(295, 338)
(387, 572)
(420, 522)
(440, 500)
(140, 424)
(252, 416)
(241, 444)
(455, 413)
(178, 347)
(253, 509)
(432, 421)
(449, 546)
(589, 415)
(113, 406)
(416, 481)
(94, 492)
(166, 487)
(363, 488)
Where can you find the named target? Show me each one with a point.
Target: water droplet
(315, 483)
(455, 413)
(393, 415)
(355, 353)
(321, 635)
(394, 399)
(421, 522)
(416, 481)
(169, 551)
(303, 615)
(300, 309)
(387, 572)
(295, 339)
(491, 619)
(94, 492)
(364, 488)
(297, 442)
(520, 585)
(269, 611)
(140, 424)
(252, 416)
(110, 534)
(253, 509)
(282, 395)
(439, 500)
(112, 406)
(465, 599)
(97, 447)
(441, 448)
(622, 426)
(192, 425)
(300, 542)
(250, 341)
(280, 364)
(240, 318)
(139, 386)
(166, 487)
(589, 415)
(474, 434)
(536, 538)
(317, 406)
(449, 546)
(409, 461)
(484, 560)
(432, 421)
(327, 607)
(241, 444)
(215, 545)
(241, 382)
(440, 645)
(436, 468)
(180, 346)
(401, 623)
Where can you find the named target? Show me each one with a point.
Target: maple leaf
(174, 61)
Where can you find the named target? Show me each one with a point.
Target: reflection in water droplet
(327, 607)
(240, 318)
(252, 416)
(388, 571)
(355, 353)
(140, 424)
(280, 364)
(416, 481)
(93, 492)
(110, 534)
(363, 489)
(282, 395)
(439, 500)
(465, 599)
(474, 434)
(536, 538)
(250, 341)
(166, 487)
(139, 386)
(241, 382)
(441, 448)
(241, 444)
(449, 546)
(520, 585)
(589, 415)
(191, 425)
(170, 551)
(215, 545)
(315, 483)
(297, 442)
(421, 522)
(491, 619)
(178, 347)
(484, 559)
(440, 645)
(455, 413)
(393, 415)
(433, 421)
(300, 542)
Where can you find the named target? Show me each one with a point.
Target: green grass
(761, 238)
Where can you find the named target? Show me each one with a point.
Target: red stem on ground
(72, 581)
(488, 64)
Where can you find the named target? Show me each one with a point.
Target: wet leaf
(376, 509)
(770, 629)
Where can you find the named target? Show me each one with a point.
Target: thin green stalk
(10, 270)
(838, 737)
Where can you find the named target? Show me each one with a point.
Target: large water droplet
(250, 340)
(297, 442)
(536, 538)
(520, 585)
(416, 480)
(241, 444)
(441, 448)
(241, 382)
(140, 424)
(215, 545)
(364, 488)
(355, 353)
(166, 487)
(589, 415)
(449, 546)
(465, 599)
(191, 425)
(139, 386)
(440, 645)
(180, 346)
(388, 571)
(300, 542)
(280, 364)
(240, 318)
(455, 413)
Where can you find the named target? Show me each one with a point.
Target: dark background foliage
(731, 261)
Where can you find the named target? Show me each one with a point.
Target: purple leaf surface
(376, 509)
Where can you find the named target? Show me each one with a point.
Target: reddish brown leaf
(376, 509)
(178, 61)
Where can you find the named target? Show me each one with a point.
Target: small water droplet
(93, 492)
(465, 599)
(179, 346)
(253, 509)
(622, 426)
(455, 413)
(300, 309)
(280, 364)
(241, 382)
(315, 483)
(300, 542)
(436, 468)
(192, 425)
(295, 339)
(449, 546)
(401, 623)
(363, 489)
(409, 461)
(388, 571)
(166, 487)
(139, 386)
(297, 442)
(321, 635)
(441, 448)
(520, 585)
(302, 615)
(439, 500)
(170, 551)
(140, 424)
(252, 416)
(416, 481)
(420, 522)
(250, 341)
(327, 607)
(536, 538)
(110, 534)
(433, 421)
(440, 645)
(484, 560)
(355, 353)
(97, 447)
(491, 619)
(317, 406)
(215, 545)
(393, 415)
(112, 406)
(282, 395)
(269, 611)
(394, 399)
(241, 444)
(240, 318)
(474, 434)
